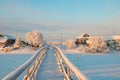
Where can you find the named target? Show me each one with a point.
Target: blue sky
(52, 17)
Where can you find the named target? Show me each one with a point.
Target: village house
(116, 38)
(6, 40)
(82, 39)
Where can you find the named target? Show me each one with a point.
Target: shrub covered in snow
(34, 38)
(6, 49)
(17, 43)
(70, 44)
(94, 45)
(82, 49)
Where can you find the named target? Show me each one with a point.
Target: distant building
(6, 40)
(116, 38)
(82, 39)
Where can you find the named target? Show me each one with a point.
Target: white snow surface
(22, 50)
(97, 66)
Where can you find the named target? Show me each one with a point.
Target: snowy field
(97, 66)
(9, 62)
(24, 50)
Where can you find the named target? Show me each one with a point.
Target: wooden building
(6, 40)
(82, 39)
(116, 38)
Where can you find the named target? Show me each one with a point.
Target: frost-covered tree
(97, 45)
(70, 44)
(82, 49)
(94, 45)
(17, 43)
(34, 38)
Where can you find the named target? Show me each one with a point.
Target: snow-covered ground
(24, 50)
(97, 66)
(12, 59)
(8, 62)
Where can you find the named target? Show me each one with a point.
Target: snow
(35, 38)
(97, 66)
(17, 43)
(81, 36)
(22, 50)
(94, 44)
(49, 68)
(71, 51)
(8, 62)
(26, 50)
(3, 39)
(97, 45)
(70, 44)
(116, 37)
(9, 36)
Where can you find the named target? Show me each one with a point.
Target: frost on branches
(94, 44)
(98, 44)
(70, 44)
(34, 38)
(17, 43)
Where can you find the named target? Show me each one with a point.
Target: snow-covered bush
(6, 49)
(97, 45)
(17, 43)
(94, 45)
(34, 38)
(82, 49)
(70, 44)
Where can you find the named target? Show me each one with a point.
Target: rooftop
(7, 36)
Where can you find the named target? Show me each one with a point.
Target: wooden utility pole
(61, 39)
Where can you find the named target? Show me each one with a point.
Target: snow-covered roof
(116, 37)
(82, 36)
(3, 39)
(7, 36)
